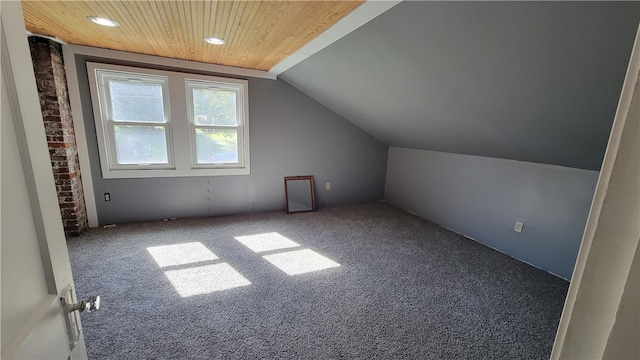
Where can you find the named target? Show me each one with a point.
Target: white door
(35, 266)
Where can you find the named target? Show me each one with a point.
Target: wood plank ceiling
(258, 34)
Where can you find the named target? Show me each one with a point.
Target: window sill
(130, 174)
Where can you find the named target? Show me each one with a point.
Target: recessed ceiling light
(214, 40)
(103, 21)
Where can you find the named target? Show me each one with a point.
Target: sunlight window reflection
(300, 261)
(266, 242)
(180, 254)
(205, 279)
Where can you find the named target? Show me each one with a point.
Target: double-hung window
(215, 115)
(156, 123)
(135, 119)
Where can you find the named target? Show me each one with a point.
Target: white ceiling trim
(361, 15)
(170, 62)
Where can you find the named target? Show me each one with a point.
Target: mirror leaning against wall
(299, 194)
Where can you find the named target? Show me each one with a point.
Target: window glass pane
(216, 146)
(132, 101)
(141, 144)
(214, 107)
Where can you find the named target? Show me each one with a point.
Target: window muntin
(139, 126)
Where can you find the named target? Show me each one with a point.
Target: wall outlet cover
(518, 227)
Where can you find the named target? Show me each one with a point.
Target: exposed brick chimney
(56, 113)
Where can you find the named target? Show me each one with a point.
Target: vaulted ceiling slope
(530, 81)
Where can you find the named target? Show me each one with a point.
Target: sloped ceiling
(530, 81)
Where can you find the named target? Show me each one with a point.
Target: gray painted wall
(524, 80)
(482, 198)
(291, 134)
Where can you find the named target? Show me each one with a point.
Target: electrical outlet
(327, 186)
(518, 227)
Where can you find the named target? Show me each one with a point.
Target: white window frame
(179, 126)
(106, 131)
(191, 84)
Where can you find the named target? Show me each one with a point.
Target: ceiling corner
(361, 15)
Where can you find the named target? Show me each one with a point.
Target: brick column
(56, 113)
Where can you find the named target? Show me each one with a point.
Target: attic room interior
(474, 179)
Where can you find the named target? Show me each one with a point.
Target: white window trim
(191, 84)
(105, 131)
(180, 140)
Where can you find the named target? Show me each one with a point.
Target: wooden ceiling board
(259, 34)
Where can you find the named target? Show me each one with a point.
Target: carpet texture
(391, 286)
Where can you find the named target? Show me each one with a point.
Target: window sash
(218, 165)
(104, 78)
(116, 164)
(237, 89)
(135, 79)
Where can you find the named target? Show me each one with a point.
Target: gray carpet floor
(404, 289)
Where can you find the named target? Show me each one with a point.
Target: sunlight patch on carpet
(266, 242)
(205, 279)
(300, 261)
(180, 254)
